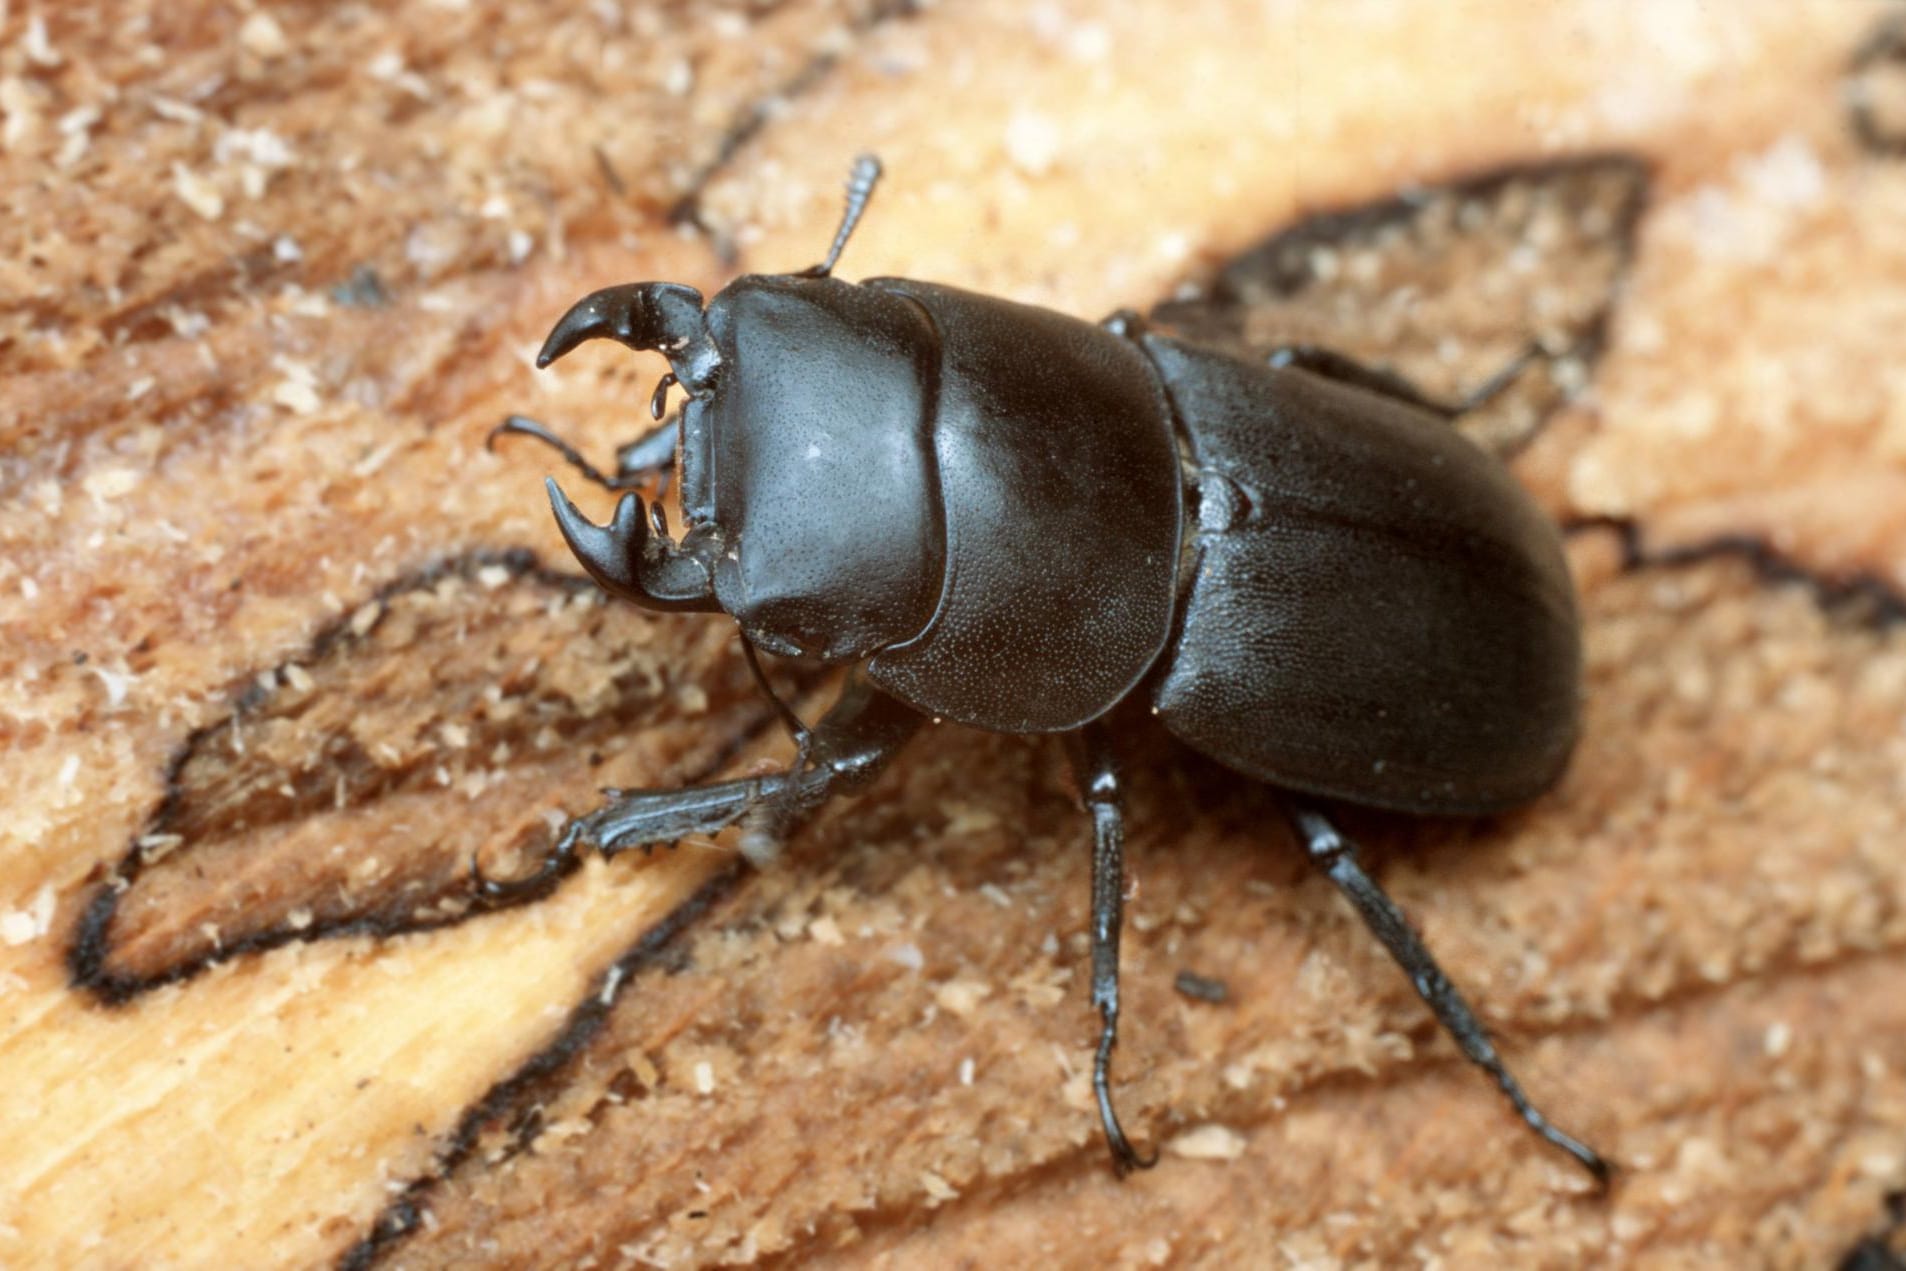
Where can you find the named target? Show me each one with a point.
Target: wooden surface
(283, 646)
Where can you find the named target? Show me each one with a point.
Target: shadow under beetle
(1013, 519)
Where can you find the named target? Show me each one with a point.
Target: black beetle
(1013, 519)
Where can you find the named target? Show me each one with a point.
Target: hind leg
(1337, 857)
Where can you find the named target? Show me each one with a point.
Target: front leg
(849, 747)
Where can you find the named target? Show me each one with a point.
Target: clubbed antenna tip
(860, 188)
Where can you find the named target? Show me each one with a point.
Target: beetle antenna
(860, 188)
(802, 735)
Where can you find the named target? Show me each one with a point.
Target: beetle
(1009, 518)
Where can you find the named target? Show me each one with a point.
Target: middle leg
(1091, 754)
(1387, 383)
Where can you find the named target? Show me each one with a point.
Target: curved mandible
(665, 316)
(629, 561)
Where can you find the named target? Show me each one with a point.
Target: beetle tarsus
(1125, 1157)
(1336, 855)
(1493, 387)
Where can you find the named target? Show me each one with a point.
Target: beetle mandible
(1013, 519)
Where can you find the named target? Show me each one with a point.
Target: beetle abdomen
(1061, 486)
(1379, 612)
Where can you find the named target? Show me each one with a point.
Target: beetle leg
(635, 463)
(1347, 370)
(650, 455)
(1093, 768)
(798, 732)
(1337, 857)
(1493, 387)
(850, 746)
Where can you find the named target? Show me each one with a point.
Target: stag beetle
(1013, 519)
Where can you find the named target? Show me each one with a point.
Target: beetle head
(816, 403)
(632, 556)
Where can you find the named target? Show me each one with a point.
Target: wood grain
(284, 645)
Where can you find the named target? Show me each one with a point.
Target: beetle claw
(492, 893)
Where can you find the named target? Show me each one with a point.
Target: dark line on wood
(87, 955)
(1882, 50)
(757, 114)
(1264, 265)
(509, 1096)
(1332, 228)
(1874, 598)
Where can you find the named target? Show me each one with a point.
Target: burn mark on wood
(484, 678)
(1875, 89)
(1445, 286)
(516, 1098)
(1861, 596)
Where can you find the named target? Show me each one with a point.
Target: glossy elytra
(1005, 517)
